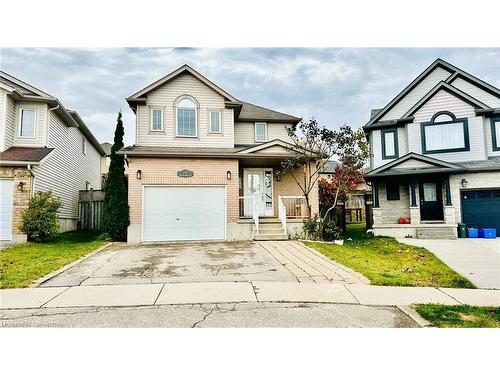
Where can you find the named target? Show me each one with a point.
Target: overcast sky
(337, 86)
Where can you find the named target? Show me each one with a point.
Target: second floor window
(260, 132)
(215, 126)
(390, 144)
(445, 133)
(27, 123)
(156, 120)
(186, 118)
(495, 133)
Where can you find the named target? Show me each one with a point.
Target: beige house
(436, 156)
(43, 147)
(204, 164)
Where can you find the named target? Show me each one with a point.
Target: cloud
(337, 86)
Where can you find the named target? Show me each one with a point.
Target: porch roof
(416, 164)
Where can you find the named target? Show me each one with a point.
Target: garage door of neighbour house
(179, 213)
(481, 208)
(6, 203)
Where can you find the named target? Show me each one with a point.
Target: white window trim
(255, 132)
(20, 113)
(210, 121)
(151, 119)
(84, 145)
(177, 117)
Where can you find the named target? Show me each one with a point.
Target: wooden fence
(90, 209)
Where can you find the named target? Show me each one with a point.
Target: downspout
(32, 180)
(48, 124)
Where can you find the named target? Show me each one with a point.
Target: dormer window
(27, 122)
(186, 111)
(445, 133)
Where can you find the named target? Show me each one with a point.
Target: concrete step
(271, 237)
(275, 231)
(271, 225)
(269, 220)
(437, 233)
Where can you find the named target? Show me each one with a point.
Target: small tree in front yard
(39, 221)
(314, 146)
(115, 219)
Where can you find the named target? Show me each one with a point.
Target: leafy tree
(315, 145)
(115, 217)
(345, 179)
(39, 221)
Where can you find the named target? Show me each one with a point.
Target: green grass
(460, 316)
(385, 261)
(21, 264)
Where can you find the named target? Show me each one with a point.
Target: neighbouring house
(43, 147)
(436, 156)
(355, 206)
(105, 162)
(204, 164)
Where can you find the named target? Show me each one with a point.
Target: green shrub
(311, 228)
(39, 221)
(331, 231)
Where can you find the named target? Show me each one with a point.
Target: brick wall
(21, 198)
(163, 171)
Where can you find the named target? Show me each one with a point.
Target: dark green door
(481, 208)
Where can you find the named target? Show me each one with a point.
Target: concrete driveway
(476, 259)
(172, 263)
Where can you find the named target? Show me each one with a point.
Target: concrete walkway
(309, 265)
(476, 259)
(233, 292)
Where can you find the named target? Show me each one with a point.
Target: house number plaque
(185, 173)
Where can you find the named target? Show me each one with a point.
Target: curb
(414, 315)
(49, 276)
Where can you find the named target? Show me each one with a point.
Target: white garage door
(176, 213)
(6, 199)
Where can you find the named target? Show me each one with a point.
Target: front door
(258, 183)
(431, 200)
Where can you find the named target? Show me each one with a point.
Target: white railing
(249, 208)
(295, 207)
(246, 207)
(255, 214)
(282, 213)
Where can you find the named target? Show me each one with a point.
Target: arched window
(186, 115)
(445, 133)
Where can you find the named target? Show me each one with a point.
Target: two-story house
(43, 147)
(204, 164)
(436, 156)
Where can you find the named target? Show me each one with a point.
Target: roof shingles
(25, 154)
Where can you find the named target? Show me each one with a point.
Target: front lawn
(21, 264)
(385, 261)
(460, 316)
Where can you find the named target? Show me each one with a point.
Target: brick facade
(21, 198)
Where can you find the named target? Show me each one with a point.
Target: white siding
(66, 169)
(416, 94)
(3, 110)
(445, 101)
(476, 92)
(165, 97)
(10, 121)
(244, 132)
(40, 126)
(376, 141)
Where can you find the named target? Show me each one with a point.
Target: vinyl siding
(476, 92)
(445, 101)
(165, 97)
(3, 110)
(10, 121)
(66, 169)
(244, 132)
(40, 126)
(376, 141)
(416, 94)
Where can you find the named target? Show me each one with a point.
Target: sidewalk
(231, 292)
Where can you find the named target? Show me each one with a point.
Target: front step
(270, 229)
(441, 233)
(270, 237)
